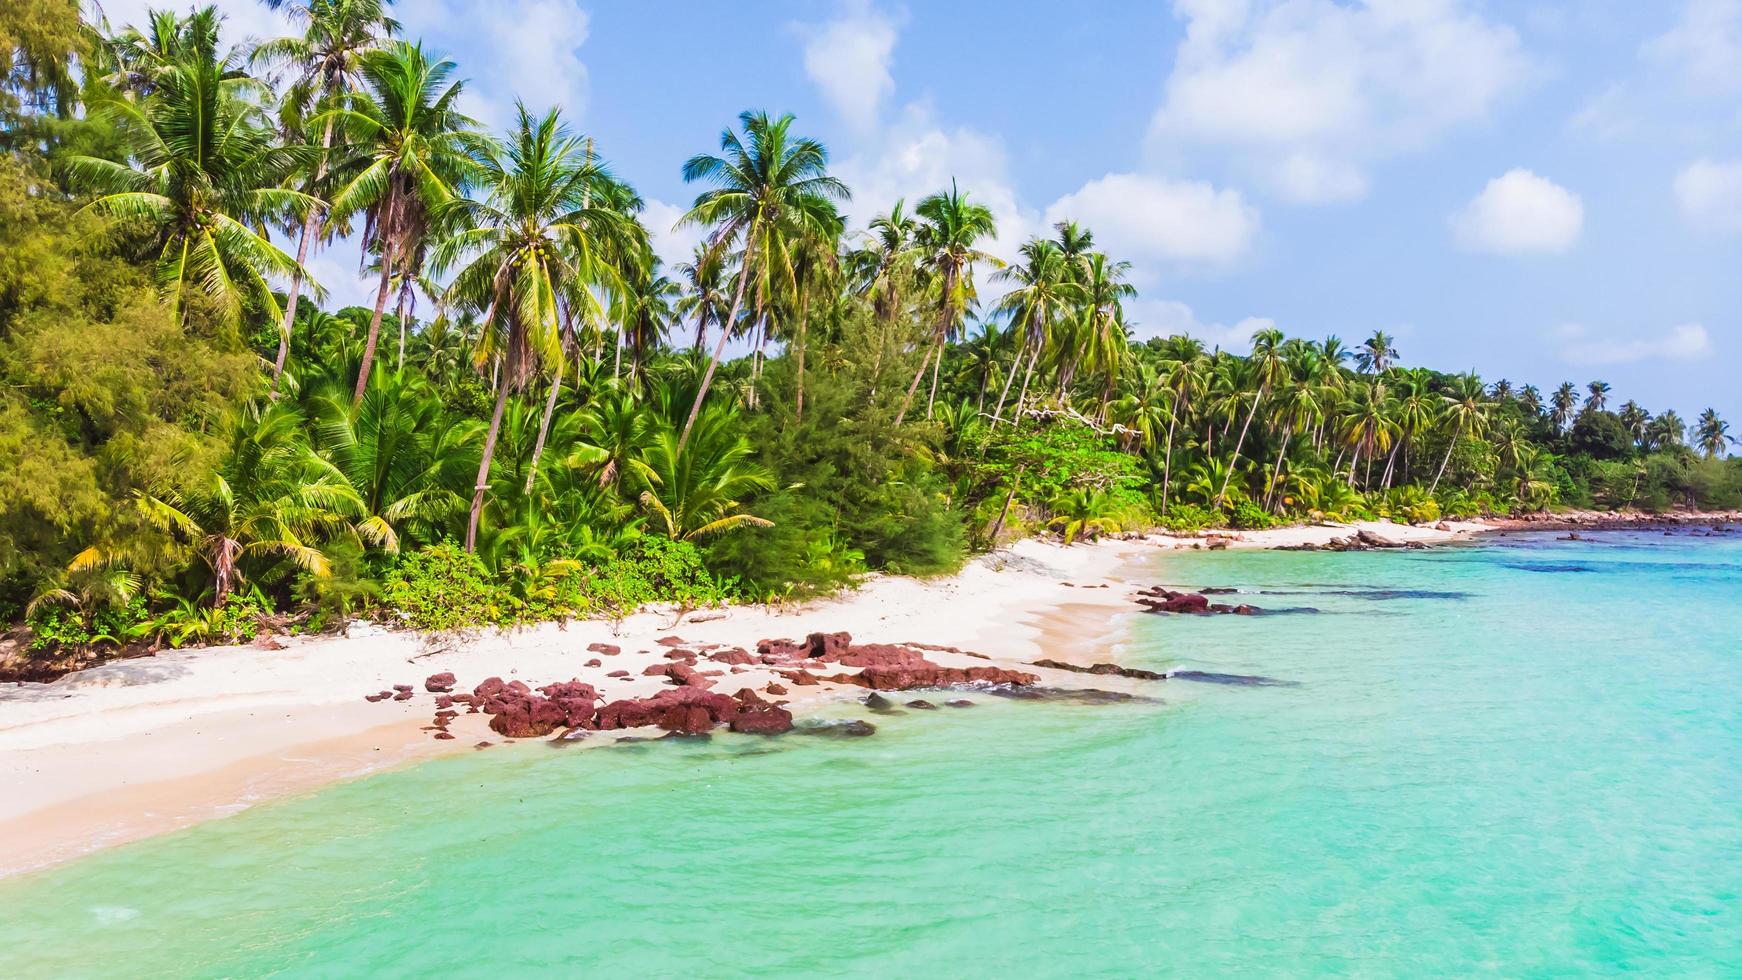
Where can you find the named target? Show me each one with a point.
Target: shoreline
(135, 748)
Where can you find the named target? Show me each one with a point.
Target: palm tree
(704, 297)
(1104, 291)
(1466, 413)
(1530, 400)
(812, 260)
(1563, 402)
(414, 154)
(1268, 367)
(646, 311)
(769, 187)
(1598, 398)
(696, 494)
(1635, 419)
(951, 226)
(1712, 433)
(270, 498)
(538, 240)
(204, 174)
(1377, 354)
(327, 63)
(1041, 292)
(1188, 378)
(1667, 431)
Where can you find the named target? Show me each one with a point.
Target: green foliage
(1187, 518)
(655, 569)
(57, 627)
(1248, 516)
(442, 588)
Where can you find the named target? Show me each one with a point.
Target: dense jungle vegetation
(535, 417)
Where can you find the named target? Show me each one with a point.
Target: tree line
(206, 447)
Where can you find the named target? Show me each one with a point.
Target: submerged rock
(837, 729)
(1103, 669)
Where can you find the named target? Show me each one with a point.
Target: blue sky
(1543, 191)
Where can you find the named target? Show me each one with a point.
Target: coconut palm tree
(948, 237)
(1667, 431)
(1041, 292)
(1712, 434)
(1104, 291)
(1598, 399)
(696, 494)
(1466, 414)
(412, 153)
(537, 241)
(646, 310)
(1635, 419)
(769, 186)
(1530, 400)
(705, 295)
(1563, 403)
(1377, 354)
(1187, 376)
(326, 64)
(203, 174)
(1268, 368)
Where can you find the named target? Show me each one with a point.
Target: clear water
(1534, 769)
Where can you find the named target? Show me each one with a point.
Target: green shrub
(655, 569)
(1186, 518)
(443, 588)
(1248, 516)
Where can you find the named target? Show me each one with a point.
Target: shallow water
(1493, 768)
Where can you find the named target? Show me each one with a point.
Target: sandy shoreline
(141, 747)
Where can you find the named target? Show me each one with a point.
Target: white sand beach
(143, 746)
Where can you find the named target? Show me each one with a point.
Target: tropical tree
(326, 62)
(203, 174)
(1712, 433)
(1598, 397)
(696, 494)
(1466, 414)
(1562, 404)
(1267, 368)
(769, 187)
(705, 290)
(1040, 293)
(412, 155)
(1377, 354)
(951, 228)
(537, 240)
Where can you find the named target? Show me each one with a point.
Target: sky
(1531, 189)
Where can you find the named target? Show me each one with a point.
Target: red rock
(384, 695)
(519, 687)
(618, 673)
(402, 688)
(491, 687)
(444, 701)
(669, 641)
(604, 648)
(774, 689)
(763, 720)
(402, 696)
(441, 683)
(735, 655)
(595, 662)
(444, 735)
(800, 678)
(828, 646)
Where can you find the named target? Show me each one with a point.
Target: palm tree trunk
(998, 412)
(1276, 472)
(374, 336)
(310, 228)
(913, 389)
(1449, 447)
(719, 348)
(1167, 455)
(1022, 399)
(483, 483)
(1390, 463)
(803, 316)
(1238, 445)
(556, 381)
(937, 364)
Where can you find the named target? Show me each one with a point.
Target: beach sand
(145, 746)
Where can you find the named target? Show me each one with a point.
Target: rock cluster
(882, 666)
(1159, 600)
(1103, 669)
(1361, 540)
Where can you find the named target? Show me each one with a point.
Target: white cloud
(1709, 194)
(1520, 212)
(1167, 318)
(525, 49)
(1138, 217)
(849, 59)
(243, 19)
(1704, 47)
(1686, 342)
(1307, 94)
(671, 243)
(916, 155)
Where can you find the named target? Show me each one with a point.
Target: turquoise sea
(1522, 758)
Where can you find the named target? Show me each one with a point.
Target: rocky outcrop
(1160, 600)
(441, 683)
(1103, 670)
